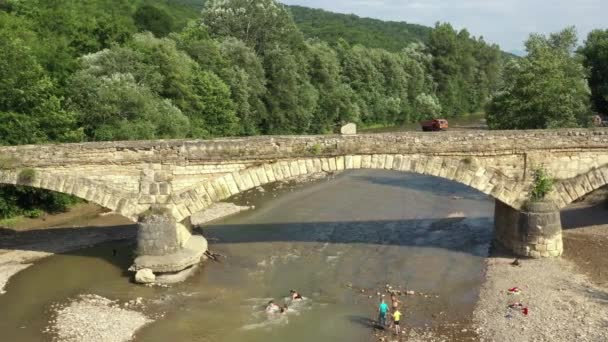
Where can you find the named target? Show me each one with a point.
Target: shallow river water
(337, 241)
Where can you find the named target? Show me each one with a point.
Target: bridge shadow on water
(114, 243)
(464, 235)
(426, 184)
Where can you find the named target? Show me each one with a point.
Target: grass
(315, 149)
(26, 176)
(7, 162)
(543, 185)
(11, 222)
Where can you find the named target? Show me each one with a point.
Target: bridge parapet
(181, 152)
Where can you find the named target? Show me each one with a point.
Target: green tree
(465, 69)
(118, 108)
(291, 99)
(153, 19)
(244, 74)
(595, 55)
(28, 102)
(335, 104)
(427, 106)
(200, 94)
(546, 89)
(261, 24)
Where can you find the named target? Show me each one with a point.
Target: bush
(543, 184)
(7, 162)
(34, 213)
(26, 176)
(23, 200)
(315, 149)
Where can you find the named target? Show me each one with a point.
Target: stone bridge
(162, 183)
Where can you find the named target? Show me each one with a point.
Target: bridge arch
(89, 190)
(570, 190)
(461, 169)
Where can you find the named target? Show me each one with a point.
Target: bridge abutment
(166, 248)
(535, 231)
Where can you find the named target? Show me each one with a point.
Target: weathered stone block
(254, 177)
(270, 172)
(349, 129)
(164, 189)
(340, 163)
(145, 276)
(348, 162)
(366, 161)
(357, 162)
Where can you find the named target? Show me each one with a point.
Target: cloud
(505, 22)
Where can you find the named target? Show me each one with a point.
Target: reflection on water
(364, 228)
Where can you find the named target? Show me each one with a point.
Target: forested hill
(328, 26)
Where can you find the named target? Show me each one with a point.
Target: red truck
(434, 125)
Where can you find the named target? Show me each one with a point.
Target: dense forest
(98, 70)
(330, 27)
(112, 69)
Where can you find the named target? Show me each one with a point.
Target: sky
(505, 22)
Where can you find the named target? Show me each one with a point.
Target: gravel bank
(92, 318)
(563, 305)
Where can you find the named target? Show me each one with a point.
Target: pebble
(93, 318)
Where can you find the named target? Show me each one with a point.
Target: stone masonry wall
(535, 231)
(182, 152)
(186, 175)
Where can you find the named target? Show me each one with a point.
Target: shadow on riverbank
(116, 243)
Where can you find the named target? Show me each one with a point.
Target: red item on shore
(524, 311)
(514, 290)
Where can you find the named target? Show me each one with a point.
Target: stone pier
(535, 231)
(165, 248)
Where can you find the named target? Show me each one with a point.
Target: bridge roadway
(162, 183)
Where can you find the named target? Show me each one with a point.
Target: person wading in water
(394, 301)
(295, 295)
(382, 312)
(396, 320)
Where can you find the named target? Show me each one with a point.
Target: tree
(116, 107)
(291, 99)
(261, 24)
(427, 106)
(465, 69)
(335, 104)
(595, 57)
(28, 102)
(159, 71)
(153, 19)
(244, 74)
(546, 89)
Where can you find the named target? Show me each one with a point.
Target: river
(338, 241)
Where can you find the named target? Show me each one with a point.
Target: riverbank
(566, 299)
(29, 240)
